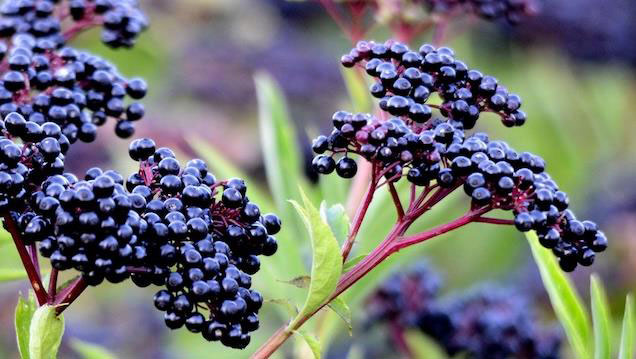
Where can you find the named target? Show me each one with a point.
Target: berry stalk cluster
(486, 322)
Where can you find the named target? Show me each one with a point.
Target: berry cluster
(486, 323)
(406, 80)
(76, 90)
(122, 20)
(205, 235)
(91, 225)
(436, 150)
(511, 10)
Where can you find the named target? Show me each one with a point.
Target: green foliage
(337, 218)
(340, 307)
(23, 314)
(45, 333)
(422, 346)
(326, 265)
(628, 334)
(601, 318)
(312, 342)
(566, 302)
(91, 351)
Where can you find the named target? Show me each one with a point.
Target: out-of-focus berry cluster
(511, 10)
(407, 140)
(122, 20)
(486, 323)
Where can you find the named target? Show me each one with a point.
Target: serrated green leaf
(300, 282)
(628, 334)
(10, 274)
(312, 342)
(326, 266)
(566, 302)
(601, 319)
(357, 88)
(340, 307)
(23, 314)
(45, 333)
(348, 265)
(91, 351)
(280, 149)
(338, 220)
(286, 304)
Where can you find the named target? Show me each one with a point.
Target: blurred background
(572, 64)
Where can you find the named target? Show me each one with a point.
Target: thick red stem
(27, 261)
(69, 295)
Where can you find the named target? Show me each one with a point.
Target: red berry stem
(33, 253)
(27, 261)
(81, 26)
(359, 217)
(332, 11)
(53, 286)
(396, 201)
(502, 221)
(70, 294)
(394, 242)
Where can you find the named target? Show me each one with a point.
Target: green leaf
(358, 91)
(326, 266)
(566, 302)
(337, 218)
(91, 351)
(628, 335)
(312, 342)
(280, 149)
(285, 304)
(45, 333)
(341, 308)
(422, 346)
(352, 262)
(23, 314)
(10, 274)
(601, 319)
(300, 282)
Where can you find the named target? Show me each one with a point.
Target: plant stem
(396, 201)
(27, 261)
(495, 220)
(394, 242)
(69, 294)
(53, 285)
(397, 334)
(81, 26)
(359, 217)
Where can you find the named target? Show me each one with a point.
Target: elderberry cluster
(205, 236)
(406, 79)
(122, 20)
(76, 90)
(436, 150)
(511, 10)
(485, 323)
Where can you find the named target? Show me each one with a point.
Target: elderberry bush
(487, 322)
(407, 140)
(122, 20)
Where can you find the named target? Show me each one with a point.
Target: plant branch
(69, 294)
(27, 261)
(81, 26)
(53, 285)
(396, 201)
(494, 220)
(359, 217)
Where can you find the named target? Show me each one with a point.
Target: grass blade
(628, 335)
(601, 319)
(566, 302)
